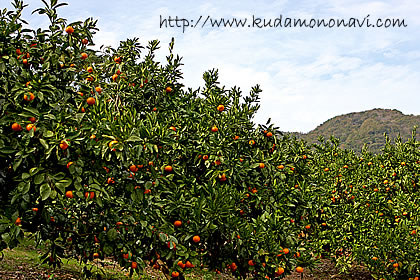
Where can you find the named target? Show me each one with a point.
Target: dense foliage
(105, 154)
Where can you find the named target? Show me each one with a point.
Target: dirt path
(24, 265)
(327, 270)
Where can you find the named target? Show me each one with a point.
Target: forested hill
(356, 129)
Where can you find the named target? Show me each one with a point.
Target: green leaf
(48, 134)
(25, 176)
(63, 184)
(133, 138)
(112, 234)
(79, 117)
(33, 171)
(44, 143)
(59, 176)
(108, 249)
(26, 188)
(39, 178)
(255, 165)
(45, 191)
(16, 164)
(32, 110)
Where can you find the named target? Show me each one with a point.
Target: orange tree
(106, 154)
(369, 208)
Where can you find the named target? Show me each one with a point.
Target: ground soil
(24, 268)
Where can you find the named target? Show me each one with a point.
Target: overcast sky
(307, 75)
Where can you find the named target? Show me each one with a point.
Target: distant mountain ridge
(367, 127)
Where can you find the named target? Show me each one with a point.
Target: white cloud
(307, 75)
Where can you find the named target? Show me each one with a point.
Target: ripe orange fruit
(299, 269)
(308, 226)
(30, 126)
(16, 127)
(395, 265)
(114, 77)
(214, 129)
(69, 163)
(110, 180)
(30, 97)
(220, 108)
(281, 166)
(222, 177)
(90, 69)
(326, 169)
(69, 194)
(269, 134)
(177, 223)
(91, 101)
(98, 89)
(95, 255)
(63, 145)
(91, 195)
(168, 89)
(205, 157)
(279, 271)
(175, 274)
(251, 142)
(117, 59)
(85, 41)
(262, 165)
(251, 263)
(236, 137)
(35, 209)
(69, 29)
(32, 119)
(181, 264)
(168, 168)
(286, 251)
(84, 55)
(25, 61)
(196, 238)
(133, 168)
(233, 266)
(188, 264)
(133, 265)
(172, 128)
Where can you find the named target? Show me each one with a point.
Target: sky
(308, 75)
